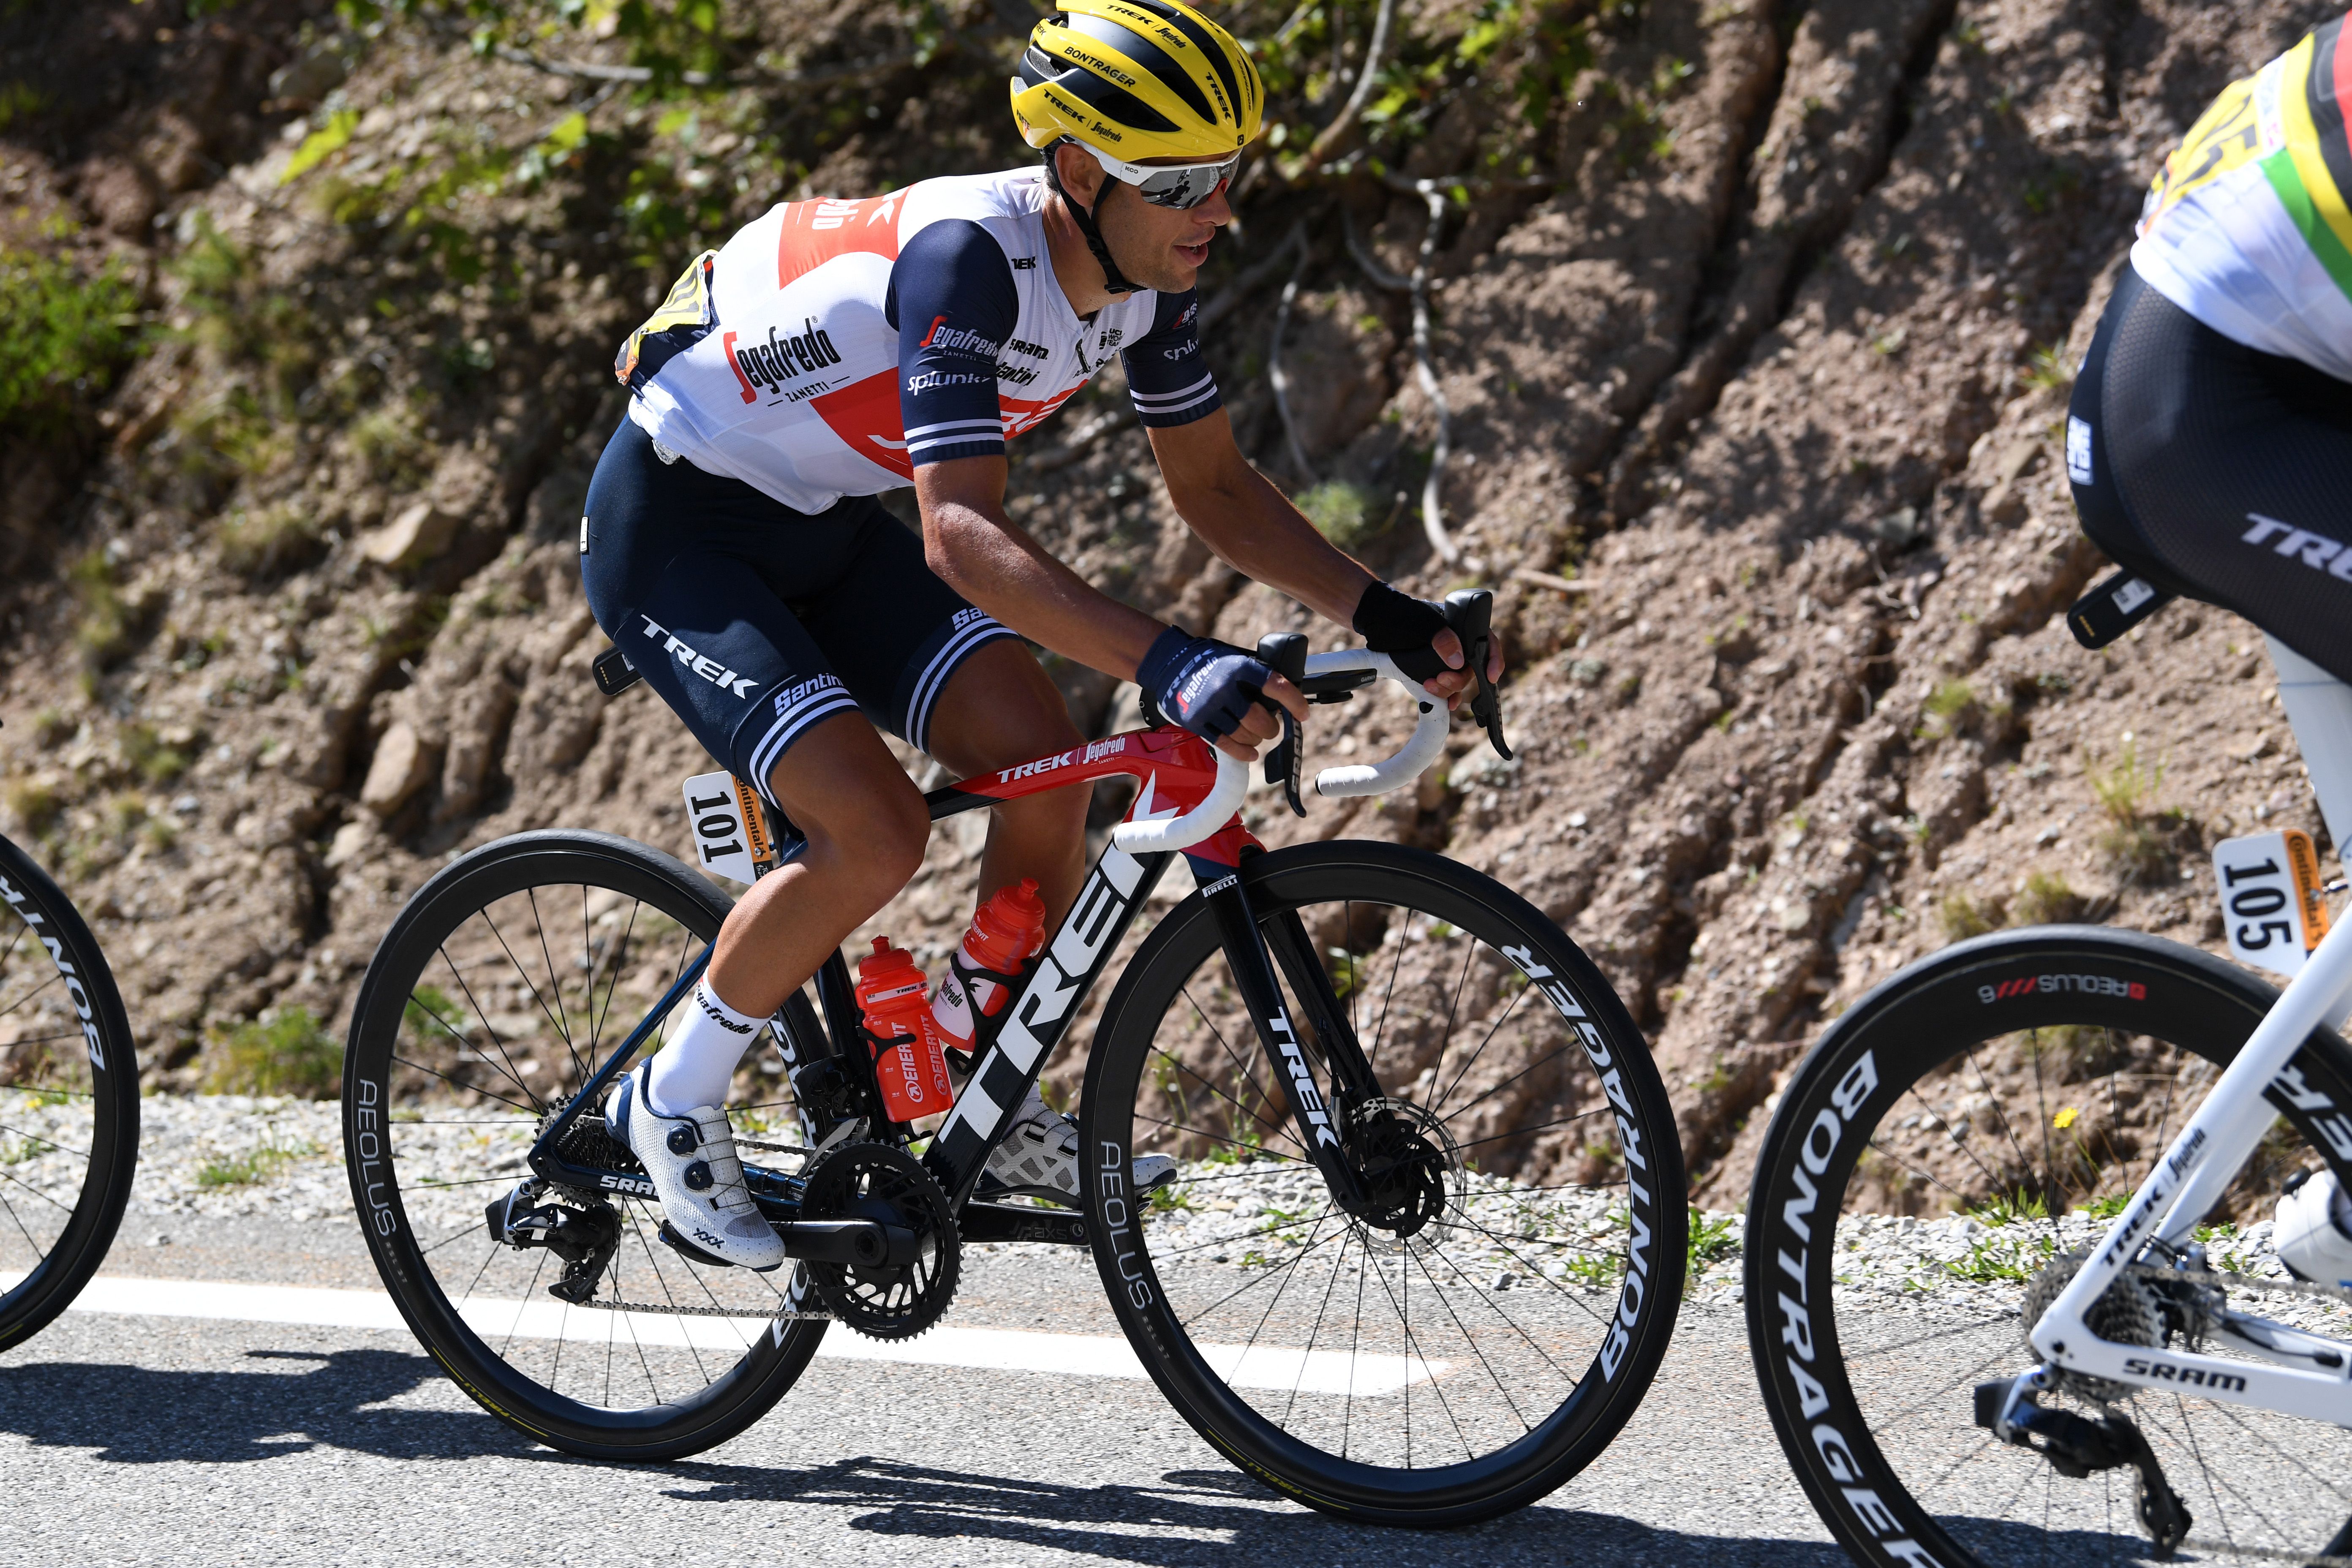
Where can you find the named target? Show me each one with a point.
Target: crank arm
(863, 1242)
(1253, 978)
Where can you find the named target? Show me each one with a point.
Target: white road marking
(984, 1349)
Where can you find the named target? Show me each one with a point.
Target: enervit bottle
(1007, 932)
(908, 1065)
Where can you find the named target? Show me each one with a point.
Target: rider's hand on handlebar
(1213, 690)
(1259, 726)
(1413, 632)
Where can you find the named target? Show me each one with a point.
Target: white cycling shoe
(697, 1176)
(2314, 1230)
(1039, 1157)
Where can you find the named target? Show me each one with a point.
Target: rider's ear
(1080, 174)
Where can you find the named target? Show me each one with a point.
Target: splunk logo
(2315, 551)
(76, 992)
(778, 360)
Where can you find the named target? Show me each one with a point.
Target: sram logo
(631, 1185)
(2189, 1376)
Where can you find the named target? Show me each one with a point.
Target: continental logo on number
(684, 319)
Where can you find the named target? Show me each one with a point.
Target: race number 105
(2271, 908)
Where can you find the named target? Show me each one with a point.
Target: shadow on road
(1197, 1517)
(142, 1416)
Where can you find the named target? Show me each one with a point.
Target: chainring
(2131, 1312)
(883, 1182)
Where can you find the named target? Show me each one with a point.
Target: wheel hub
(1408, 1166)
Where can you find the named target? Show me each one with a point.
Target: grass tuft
(1346, 514)
(284, 1051)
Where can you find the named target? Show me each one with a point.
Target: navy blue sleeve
(952, 303)
(1165, 373)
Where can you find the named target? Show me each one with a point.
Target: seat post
(2319, 710)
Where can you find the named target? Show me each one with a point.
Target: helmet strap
(1113, 278)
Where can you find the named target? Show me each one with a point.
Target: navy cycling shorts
(754, 621)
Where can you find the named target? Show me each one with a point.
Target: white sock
(697, 1064)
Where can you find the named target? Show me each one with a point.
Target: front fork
(1320, 1121)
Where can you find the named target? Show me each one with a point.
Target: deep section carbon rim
(508, 980)
(1958, 1134)
(68, 1100)
(1483, 1337)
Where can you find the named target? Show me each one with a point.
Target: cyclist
(732, 546)
(2210, 440)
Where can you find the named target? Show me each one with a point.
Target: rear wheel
(1955, 1137)
(68, 1100)
(508, 980)
(1486, 1334)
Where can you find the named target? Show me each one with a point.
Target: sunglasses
(1180, 185)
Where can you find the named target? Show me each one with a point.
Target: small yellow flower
(2064, 1119)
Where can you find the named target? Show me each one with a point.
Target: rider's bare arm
(1253, 528)
(991, 560)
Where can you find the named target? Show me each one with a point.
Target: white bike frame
(2296, 1373)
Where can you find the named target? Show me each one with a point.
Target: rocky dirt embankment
(1754, 326)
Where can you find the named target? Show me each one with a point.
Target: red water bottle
(909, 1066)
(1005, 934)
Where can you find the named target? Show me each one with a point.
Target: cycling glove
(1403, 628)
(1203, 684)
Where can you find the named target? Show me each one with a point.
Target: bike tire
(2102, 1040)
(71, 1103)
(519, 891)
(1595, 1351)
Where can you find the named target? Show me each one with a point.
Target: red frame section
(1176, 767)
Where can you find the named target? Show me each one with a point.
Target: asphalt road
(144, 1439)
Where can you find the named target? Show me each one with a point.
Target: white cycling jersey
(832, 346)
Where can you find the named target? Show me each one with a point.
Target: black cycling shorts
(754, 621)
(2218, 472)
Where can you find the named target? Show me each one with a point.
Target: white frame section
(2298, 1374)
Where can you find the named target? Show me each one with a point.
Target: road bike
(2104, 1364)
(68, 1100)
(1420, 1259)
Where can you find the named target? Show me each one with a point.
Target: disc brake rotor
(907, 1292)
(1409, 1168)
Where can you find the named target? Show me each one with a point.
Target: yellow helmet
(1137, 80)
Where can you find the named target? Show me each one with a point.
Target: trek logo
(2315, 551)
(1042, 765)
(931, 379)
(958, 340)
(772, 363)
(2055, 984)
(1023, 346)
(1024, 264)
(75, 992)
(1311, 1100)
(710, 669)
(2164, 1372)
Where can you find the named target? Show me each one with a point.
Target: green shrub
(2045, 899)
(1345, 514)
(1964, 917)
(61, 334)
(284, 1051)
(273, 540)
(103, 630)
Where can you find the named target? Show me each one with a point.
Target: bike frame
(1186, 803)
(2296, 1373)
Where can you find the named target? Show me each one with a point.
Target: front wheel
(1956, 1138)
(1458, 1355)
(68, 1100)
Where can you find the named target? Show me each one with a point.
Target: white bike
(2009, 1284)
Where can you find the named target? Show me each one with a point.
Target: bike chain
(789, 1316)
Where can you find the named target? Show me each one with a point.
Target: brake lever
(1470, 614)
(1285, 653)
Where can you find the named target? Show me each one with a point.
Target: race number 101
(2271, 908)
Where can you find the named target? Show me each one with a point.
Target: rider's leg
(1000, 709)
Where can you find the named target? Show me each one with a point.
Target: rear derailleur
(583, 1238)
(2076, 1445)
